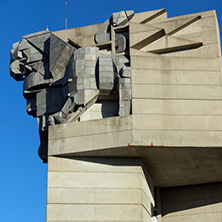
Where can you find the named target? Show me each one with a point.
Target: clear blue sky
(23, 175)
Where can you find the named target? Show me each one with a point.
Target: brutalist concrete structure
(130, 117)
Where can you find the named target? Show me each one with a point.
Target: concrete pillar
(98, 190)
(158, 204)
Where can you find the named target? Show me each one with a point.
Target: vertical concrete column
(158, 204)
(98, 189)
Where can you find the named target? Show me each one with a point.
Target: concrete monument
(130, 117)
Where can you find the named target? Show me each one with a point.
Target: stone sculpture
(62, 79)
(162, 157)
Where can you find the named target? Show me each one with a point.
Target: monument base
(98, 190)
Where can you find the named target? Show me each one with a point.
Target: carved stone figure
(62, 79)
(68, 72)
(143, 162)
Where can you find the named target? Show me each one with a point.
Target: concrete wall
(174, 87)
(193, 203)
(98, 189)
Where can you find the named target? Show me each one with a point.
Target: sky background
(23, 175)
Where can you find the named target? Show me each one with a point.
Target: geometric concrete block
(98, 185)
(106, 74)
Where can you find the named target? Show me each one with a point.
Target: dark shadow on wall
(184, 198)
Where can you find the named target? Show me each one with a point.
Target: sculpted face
(63, 80)
(30, 61)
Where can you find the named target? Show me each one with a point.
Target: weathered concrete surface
(98, 189)
(192, 203)
(96, 165)
(83, 36)
(166, 147)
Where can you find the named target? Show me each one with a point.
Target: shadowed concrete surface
(172, 166)
(202, 202)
